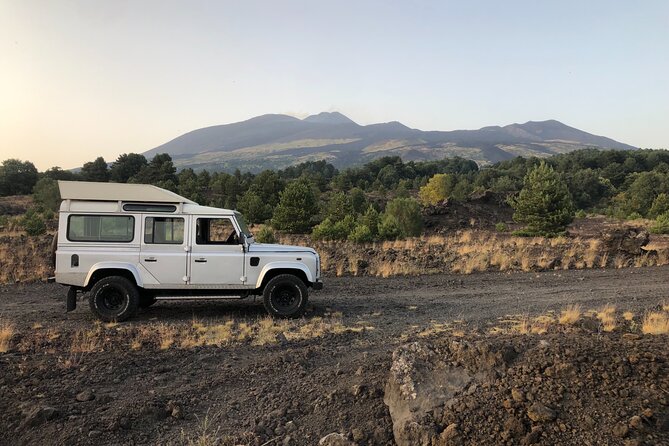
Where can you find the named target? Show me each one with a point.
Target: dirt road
(292, 392)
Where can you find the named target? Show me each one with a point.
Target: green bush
(581, 214)
(634, 216)
(33, 223)
(46, 194)
(544, 205)
(265, 235)
(401, 219)
(361, 234)
(329, 230)
(661, 225)
(501, 227)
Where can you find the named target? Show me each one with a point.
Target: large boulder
(425, 379)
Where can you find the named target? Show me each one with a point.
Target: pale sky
(80, 79)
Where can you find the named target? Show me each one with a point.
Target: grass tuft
(570, 315)
(6, 334)
(655, 323)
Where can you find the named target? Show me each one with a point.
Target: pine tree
(297, 207)
(544, 204)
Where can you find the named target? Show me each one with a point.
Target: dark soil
(299, 391)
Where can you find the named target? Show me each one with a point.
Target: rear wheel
(114, 299)
(285, 296)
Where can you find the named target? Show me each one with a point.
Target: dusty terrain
(67, 380)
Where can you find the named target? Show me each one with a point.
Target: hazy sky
(80, 79)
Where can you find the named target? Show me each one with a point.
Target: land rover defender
(128, 245)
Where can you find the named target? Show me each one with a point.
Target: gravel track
(291, 393)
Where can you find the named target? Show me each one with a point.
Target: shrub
(265, 235)
(33, 223)
(544, 204)
(46, 193)
(634, 216)
(402, 218)
(436, 190)
(329, 230)
(661, 225)
(660, 206)
(361, 234)
(580, 214)
(501, 227)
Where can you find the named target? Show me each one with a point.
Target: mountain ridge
(279, 140)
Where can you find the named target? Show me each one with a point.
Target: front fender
(115, 265)
(284, 265)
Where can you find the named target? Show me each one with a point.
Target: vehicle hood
(272, 247)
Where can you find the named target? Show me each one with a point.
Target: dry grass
(655, 323)
(607, 317)
(86, 341)
(166, 334)
(570, 315)
(6, 334)
(628, 316)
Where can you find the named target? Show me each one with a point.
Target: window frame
(69, 222)
(153, 230)
(225, 217)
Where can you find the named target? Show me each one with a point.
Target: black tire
(114, 299)
(54, 247)
(285, 296)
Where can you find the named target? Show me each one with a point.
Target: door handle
(151, 259)
(200, 260)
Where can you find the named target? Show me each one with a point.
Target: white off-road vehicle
(128, 245)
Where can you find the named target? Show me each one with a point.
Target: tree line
(384, 198)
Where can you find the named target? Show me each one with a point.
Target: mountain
(277, 141)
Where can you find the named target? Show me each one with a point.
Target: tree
(660, 205)
(436, 190)
(544, 204)
(17, 177)
(339, 206)
(95, 170)
(297, 207)
(252, 206)
(46, 193)
(126, 166)
(189, 186)
(402, 218)
(56, 173)
(160, 172)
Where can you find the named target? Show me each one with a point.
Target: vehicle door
(164, 248)
(217, 254)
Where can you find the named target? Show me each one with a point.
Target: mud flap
(71, 302)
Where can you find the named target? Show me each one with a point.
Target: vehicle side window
(100, 228)
(216, 231)
(164, 230)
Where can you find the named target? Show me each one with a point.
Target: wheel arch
(274, 269)
(106, 269)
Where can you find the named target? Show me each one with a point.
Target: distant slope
(277, 141)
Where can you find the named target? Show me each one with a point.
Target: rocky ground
(405, 360)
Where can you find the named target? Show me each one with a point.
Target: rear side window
(164, 230)
(100, 228)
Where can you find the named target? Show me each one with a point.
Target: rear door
(164, 248)
(217, 255)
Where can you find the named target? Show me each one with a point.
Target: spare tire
(54, 248)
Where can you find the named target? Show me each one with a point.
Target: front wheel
(114, 299)
(285, 296)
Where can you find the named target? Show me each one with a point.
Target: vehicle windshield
(242, 225)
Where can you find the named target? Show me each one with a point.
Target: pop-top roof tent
(92, 191)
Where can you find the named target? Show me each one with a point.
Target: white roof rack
(92, 191)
